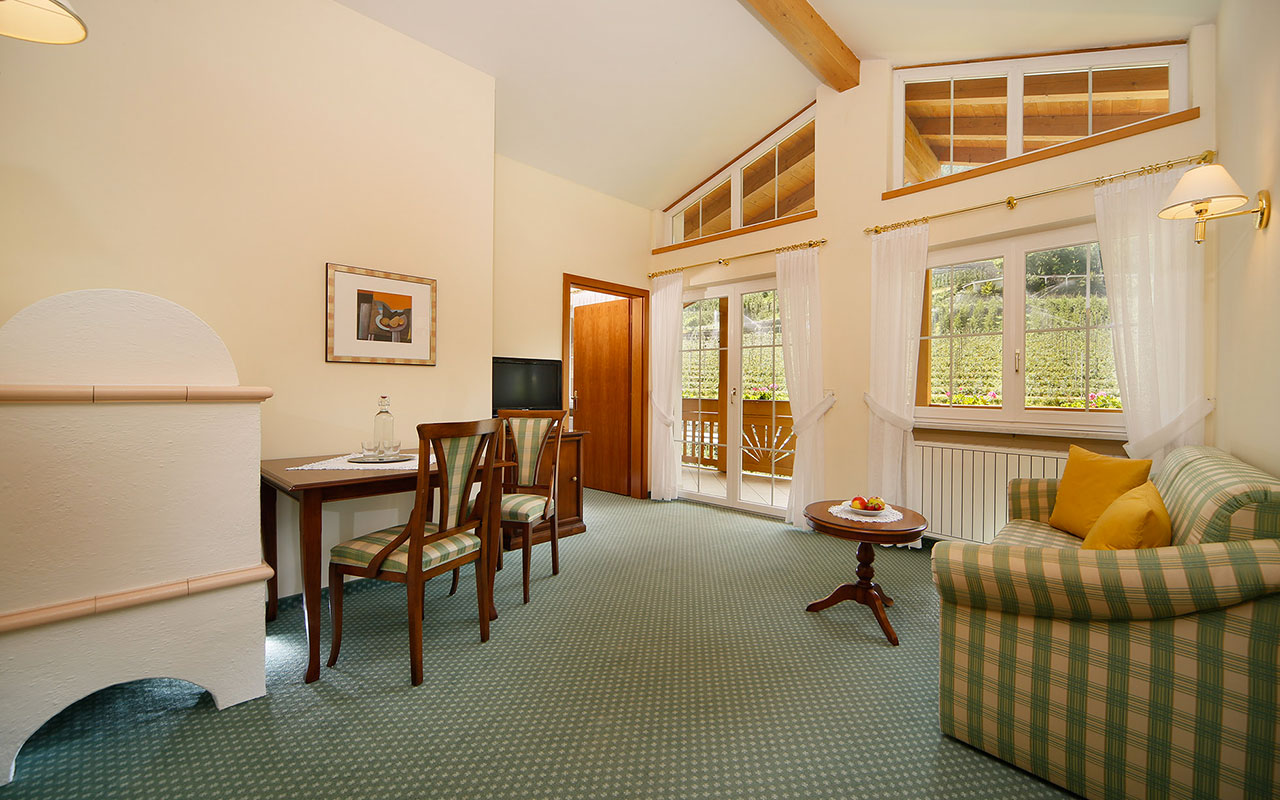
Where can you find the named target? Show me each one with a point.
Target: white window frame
(1015, 68)
(733, 173)
(1012, 416)
(733, 385)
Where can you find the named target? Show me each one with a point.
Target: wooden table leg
(846, 591)
(267, 516)
(309, 549)
(865, 591)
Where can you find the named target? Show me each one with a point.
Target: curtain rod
(724, 262)
(1011, 201)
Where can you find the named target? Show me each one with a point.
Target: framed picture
(379, 317)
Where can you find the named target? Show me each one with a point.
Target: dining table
(312, 488)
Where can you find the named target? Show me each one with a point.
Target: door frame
(639, 336)
(731, 383)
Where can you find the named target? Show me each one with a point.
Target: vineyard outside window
(1018, 334)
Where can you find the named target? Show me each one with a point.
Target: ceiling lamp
(44, 21)
(1209, 192)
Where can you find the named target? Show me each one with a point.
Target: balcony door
(737, 444)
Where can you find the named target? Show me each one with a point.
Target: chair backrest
(1214, 497)
(464, 455)
(532, 436)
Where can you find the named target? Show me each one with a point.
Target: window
(1016, 335)
(780, 182)
(952, 118)
(773, 180)
(706, 216)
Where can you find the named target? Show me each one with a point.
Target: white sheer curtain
(1155, 291)
(898, 261)
(800, 310)
(665, 324)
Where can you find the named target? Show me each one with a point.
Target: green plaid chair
(1124, 674)
(532, 440)
(420, 549)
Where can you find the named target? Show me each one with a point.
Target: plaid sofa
(1144, 673)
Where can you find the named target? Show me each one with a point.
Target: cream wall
(545, 226)
(218, 154)
(1249, 260)
(853, 152)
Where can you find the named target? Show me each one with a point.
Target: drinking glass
(391, 447)
(369, 448)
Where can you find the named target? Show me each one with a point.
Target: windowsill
(1112, 135)
(1092, 430)
(759, 226)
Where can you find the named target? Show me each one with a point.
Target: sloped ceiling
(642, 99)
(635, 99)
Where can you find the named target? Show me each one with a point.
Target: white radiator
(963, 487)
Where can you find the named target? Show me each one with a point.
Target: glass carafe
(384, 424)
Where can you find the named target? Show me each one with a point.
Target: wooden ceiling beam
(810, 39)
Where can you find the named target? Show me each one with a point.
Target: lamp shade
(1207, 189)
(44, 21)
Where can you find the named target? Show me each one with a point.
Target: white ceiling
(917, 31)
(640, 99)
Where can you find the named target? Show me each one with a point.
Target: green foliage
(763, 376)
(1055, 360)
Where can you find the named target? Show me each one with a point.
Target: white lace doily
(843, 511)
(341, 462)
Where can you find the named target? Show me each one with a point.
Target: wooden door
(602, 374)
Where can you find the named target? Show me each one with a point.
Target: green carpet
(671, 658)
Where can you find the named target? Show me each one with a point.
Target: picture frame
(376, 317)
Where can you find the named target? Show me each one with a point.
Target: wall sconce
(1209, 192)
(43, 21)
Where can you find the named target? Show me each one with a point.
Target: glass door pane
(767, 441)
(704, 350)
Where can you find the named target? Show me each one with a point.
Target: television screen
(528, 383)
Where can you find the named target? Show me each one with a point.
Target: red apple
(859, 503)
(875, 504)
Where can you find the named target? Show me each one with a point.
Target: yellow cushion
(1089, 484)
(1136, 519)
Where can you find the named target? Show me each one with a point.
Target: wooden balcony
(766, 427)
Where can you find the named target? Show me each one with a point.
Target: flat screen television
(529, 383)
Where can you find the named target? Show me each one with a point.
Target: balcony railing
(768, 441)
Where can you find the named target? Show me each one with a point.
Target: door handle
(733, 395)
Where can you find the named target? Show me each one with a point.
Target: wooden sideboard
(569, 494)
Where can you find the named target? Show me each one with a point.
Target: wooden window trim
(1167, 43)
(715, 237)
(735, 159)
(1084, 143)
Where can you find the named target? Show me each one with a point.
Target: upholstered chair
(420, 549)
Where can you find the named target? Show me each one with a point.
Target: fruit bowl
(867, 512)
(866, 506)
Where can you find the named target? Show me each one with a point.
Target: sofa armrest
(1065, 583)
(1032, 498)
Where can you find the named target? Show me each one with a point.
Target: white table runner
(341, 462)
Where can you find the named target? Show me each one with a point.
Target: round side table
(867, 534)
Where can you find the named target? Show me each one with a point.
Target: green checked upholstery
(1124, 674)
(358, 552)
(525, 507)
(459, 455)
(528, 434)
